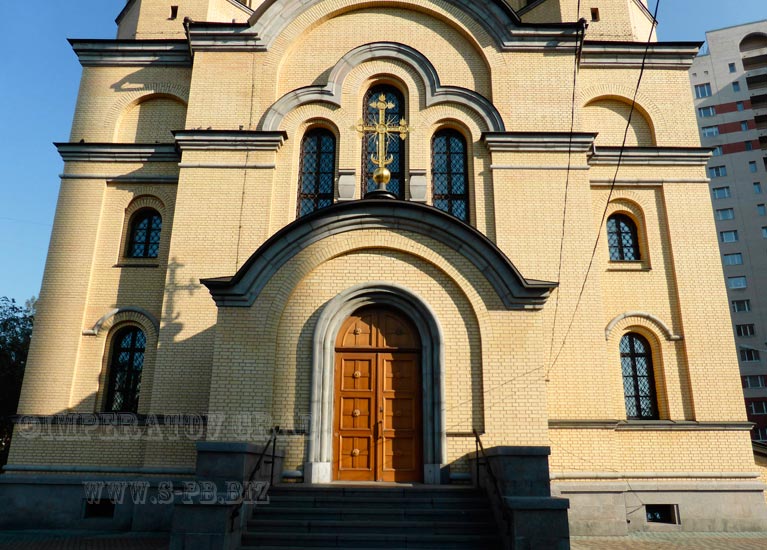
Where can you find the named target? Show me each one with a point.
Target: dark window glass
(395, 146)
(145, 228)
(318, 170)
(638, 380)
(450, 174)
(622, 238)
(125, 365)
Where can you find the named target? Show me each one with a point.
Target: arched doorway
(377, 433)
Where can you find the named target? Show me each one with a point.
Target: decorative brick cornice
(667, 55)
(223, 37)
(538, 141)
(134, 53)
(229, 140)
(117, 152)
(666, 156)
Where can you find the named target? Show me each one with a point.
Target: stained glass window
(638, 379)
(318, 169)
(450, 173)
(125, 366)
(622, 238)
(145, 228)
(394, 146)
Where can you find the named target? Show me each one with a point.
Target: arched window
(622, 238)
(450, 173)
(318, 168)
(144, 237)
(125, 364)
(395, 146)
(638, 379)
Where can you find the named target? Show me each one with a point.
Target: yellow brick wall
(517, 369)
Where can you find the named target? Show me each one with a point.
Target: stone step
(376, 502)
(433, 491)
(383, 514)
(373, 527)
(358, 541)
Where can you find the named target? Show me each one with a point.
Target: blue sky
(37, 98)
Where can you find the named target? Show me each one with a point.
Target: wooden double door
(377, 409)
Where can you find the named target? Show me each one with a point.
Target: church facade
(542, 269)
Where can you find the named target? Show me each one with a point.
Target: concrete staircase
(360, 517)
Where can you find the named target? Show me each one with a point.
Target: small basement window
(662, 513)
(595, 14)
(99, 509)
(173, 12)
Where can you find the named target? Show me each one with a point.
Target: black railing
(272, 442)
(479, 448)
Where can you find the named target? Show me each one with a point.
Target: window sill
(647, 425)
(138, 263)
(630, 265)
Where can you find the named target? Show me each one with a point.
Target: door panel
(378, 399)
(401, 408)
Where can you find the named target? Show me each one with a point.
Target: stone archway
(318, 468)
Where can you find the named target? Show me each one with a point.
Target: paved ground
(57, 540)
(61, 540)
(674, 541)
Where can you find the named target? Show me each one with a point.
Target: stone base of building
(38, 500)
(615, 508)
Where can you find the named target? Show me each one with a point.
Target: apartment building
(729, 84)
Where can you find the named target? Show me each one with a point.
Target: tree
(15, 333)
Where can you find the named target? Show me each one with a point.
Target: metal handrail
(496, 484)
(272, 442)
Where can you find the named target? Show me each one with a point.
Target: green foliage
(15, 333)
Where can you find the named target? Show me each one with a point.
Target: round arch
(318, 468)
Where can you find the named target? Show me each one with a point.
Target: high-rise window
(757, 381)
(705, 112)
(757, 188)
(717, 171)
(761, 209)
(731, 67)
(741, 306)
(744, 126)
(749, 355)
(736, 86)
(710, 131)
(739, 106)
(733, 259)
(729, 236)
(752, 166)
(703, 90)
(745, 330)
(721, 192)
(725, 214)
(735, 283)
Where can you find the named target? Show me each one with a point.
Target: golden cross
(382, 130)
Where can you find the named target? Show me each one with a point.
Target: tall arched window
(638, 378)
(622, 238)
(144, 236)
(125, 365)
(395, 146)
(318, 168)
(450, 173)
